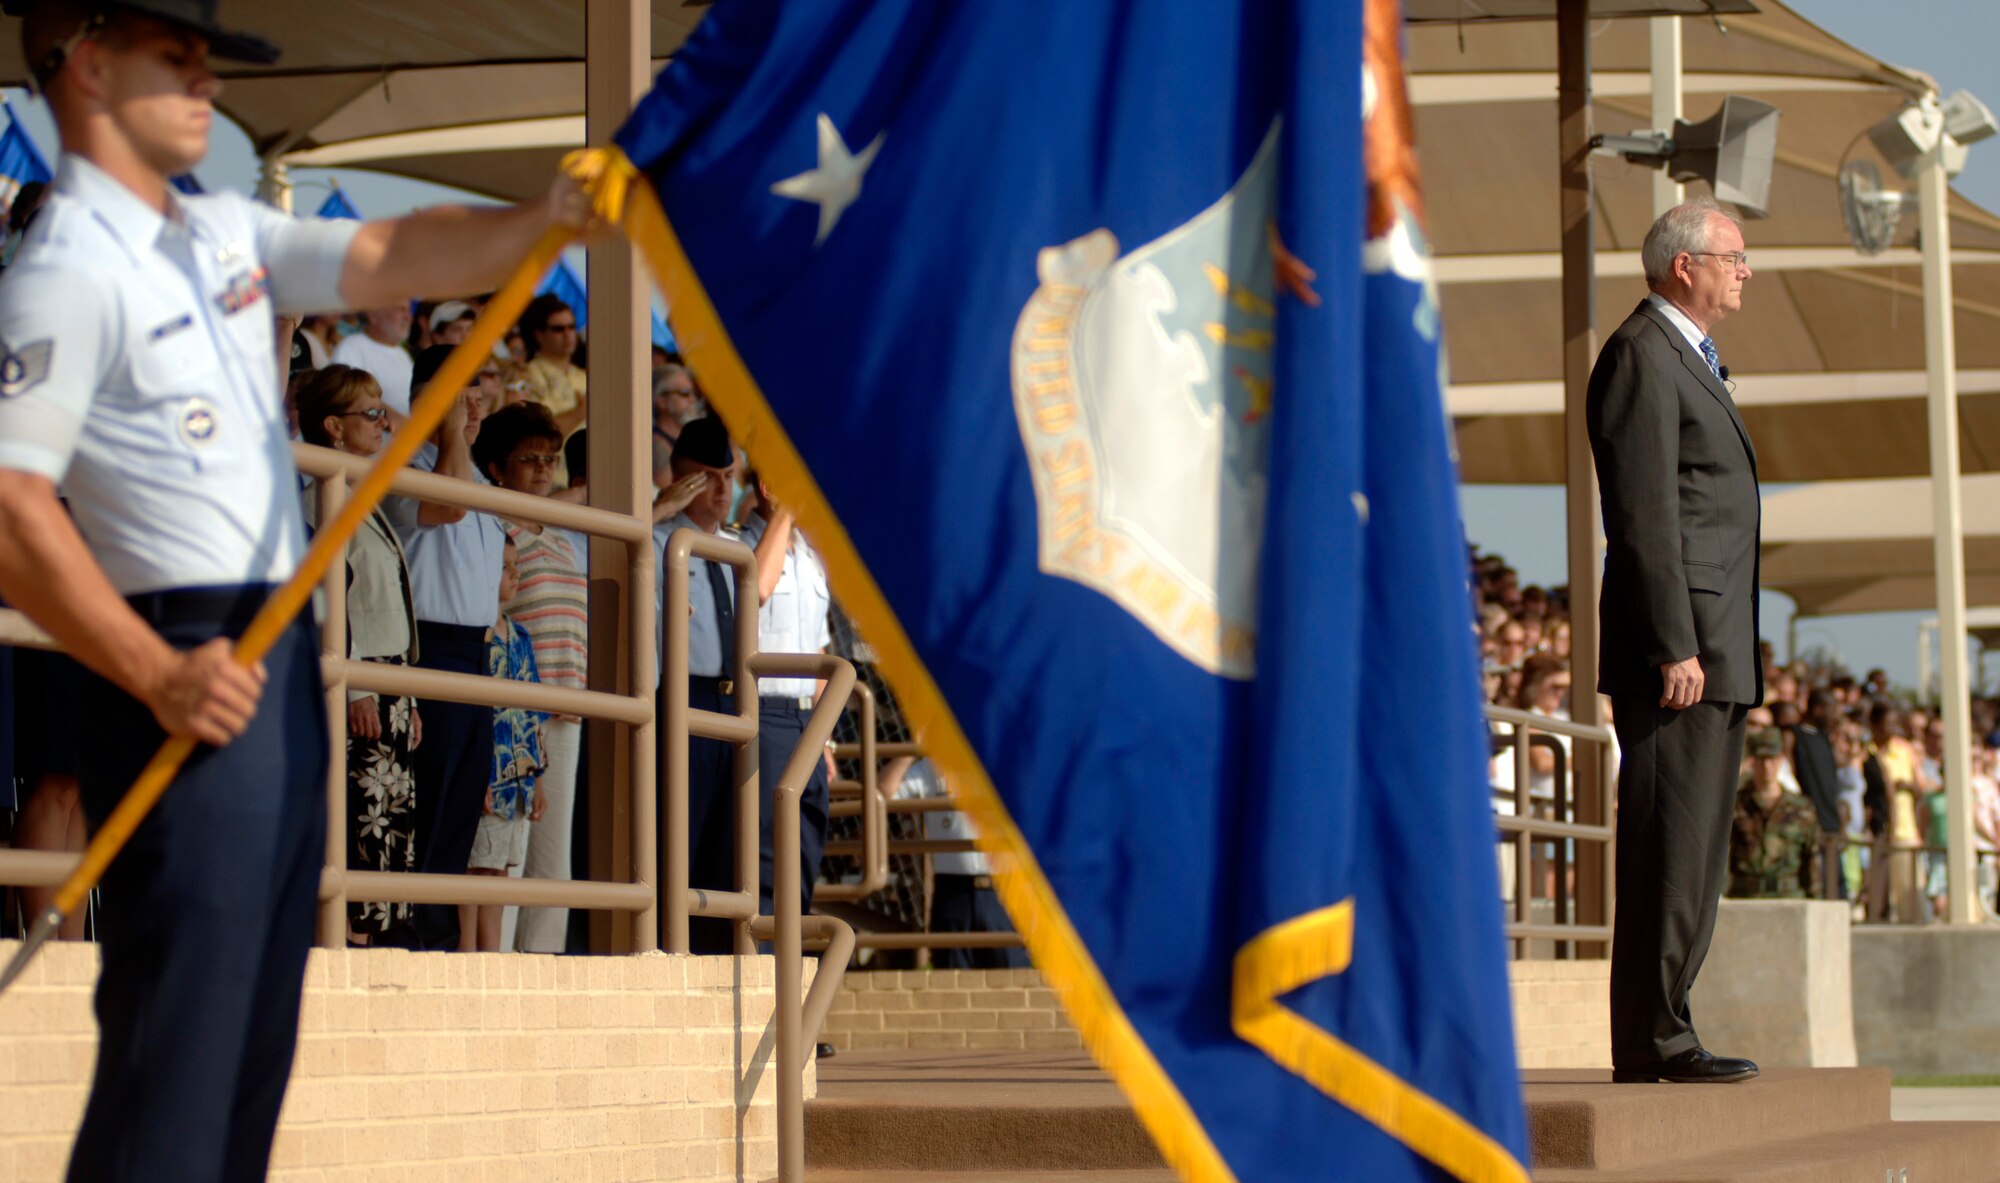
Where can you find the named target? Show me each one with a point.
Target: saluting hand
(1681, 683)
(679, 495)
(205, 694)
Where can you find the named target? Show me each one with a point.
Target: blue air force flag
(20, 161)
(1098, 353)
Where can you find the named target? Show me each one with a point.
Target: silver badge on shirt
(198, 423)
(21, 370)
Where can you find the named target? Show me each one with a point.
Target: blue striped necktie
(1709, 355)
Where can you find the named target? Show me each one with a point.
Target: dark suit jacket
(1678, 477)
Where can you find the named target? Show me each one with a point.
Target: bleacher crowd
(1842, 789)
(450, 788)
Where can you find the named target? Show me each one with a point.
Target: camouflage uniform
(1774, 855)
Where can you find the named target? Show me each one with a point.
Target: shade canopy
(366, 68)
(1827, 353)
(1837, 547)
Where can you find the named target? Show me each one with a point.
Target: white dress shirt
(454, 568)
(794, 619)
(138, 370)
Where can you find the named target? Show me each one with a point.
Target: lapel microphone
(1722, 372)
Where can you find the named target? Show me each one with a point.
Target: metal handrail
(798, 1015)
(870, 807)
(1524, 830)
(332, 471)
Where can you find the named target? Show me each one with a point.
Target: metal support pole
(1954, 689)
(1665, 34)
(1579, 252)
(274, 183)
(617, 72)
(333, 643)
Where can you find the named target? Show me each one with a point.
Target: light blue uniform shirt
(704, 643)
(794, 619)
(454, 568)
(139, 371)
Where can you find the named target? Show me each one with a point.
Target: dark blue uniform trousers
(712, 810)
(207, 916)
(453, 767)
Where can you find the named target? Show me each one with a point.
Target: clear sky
(1951, 40)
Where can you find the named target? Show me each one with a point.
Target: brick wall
(1561, 1012)
(948, 1008)
(416, 1067)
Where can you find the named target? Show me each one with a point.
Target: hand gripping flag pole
(606, 185)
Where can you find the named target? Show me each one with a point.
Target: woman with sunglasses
(341, 407)
(550, 329)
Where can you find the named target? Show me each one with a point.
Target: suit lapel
(1697, 365)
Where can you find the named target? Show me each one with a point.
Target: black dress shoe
(824, 1051)
(1697, 1065)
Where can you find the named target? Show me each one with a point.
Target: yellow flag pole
(606, 186)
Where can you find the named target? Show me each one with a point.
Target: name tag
(159, 332)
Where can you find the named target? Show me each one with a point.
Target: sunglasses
(538, 459)
(372, 414)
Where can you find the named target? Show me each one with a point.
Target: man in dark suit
(1679, 630)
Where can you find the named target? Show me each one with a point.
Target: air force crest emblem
(1143, 386)
(21, 370)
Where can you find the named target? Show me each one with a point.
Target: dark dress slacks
(453, 767)
(1676, 796)
(207, 915)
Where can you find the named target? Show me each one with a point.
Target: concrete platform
(1053, 1117)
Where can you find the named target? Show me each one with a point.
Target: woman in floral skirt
(341, 407)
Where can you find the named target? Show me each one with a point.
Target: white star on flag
(836, 182)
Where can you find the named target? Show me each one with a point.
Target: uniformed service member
(137, 375)
(1774, 841)
(791, 618)
(704, 464)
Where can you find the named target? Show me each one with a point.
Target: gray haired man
(1679, 626)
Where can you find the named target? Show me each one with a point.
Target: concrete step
(1931, 1151)
(1161, 1175)
(989, 1112)
(1578, 1119)
(1053, 1117)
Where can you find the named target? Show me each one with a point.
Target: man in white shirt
(378, 349)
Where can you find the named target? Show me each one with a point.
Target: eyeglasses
(555, 328)
(487, 376)
(539, 459)
(1737, 259)
(372, 414)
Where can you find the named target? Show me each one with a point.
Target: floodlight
(1967, 119)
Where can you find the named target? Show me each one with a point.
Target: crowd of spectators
(1842, 789)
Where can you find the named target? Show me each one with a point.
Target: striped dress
(550, 604)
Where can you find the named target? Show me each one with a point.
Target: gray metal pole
(1954, 688)
(1665, 41)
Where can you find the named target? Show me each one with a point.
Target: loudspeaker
(1733, 150)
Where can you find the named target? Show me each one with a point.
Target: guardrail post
(332, 494)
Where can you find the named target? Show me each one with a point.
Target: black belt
(231, 606)
(463, 634)
(976, 882)
(722, 686)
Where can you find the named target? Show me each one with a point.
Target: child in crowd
(511, 801)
